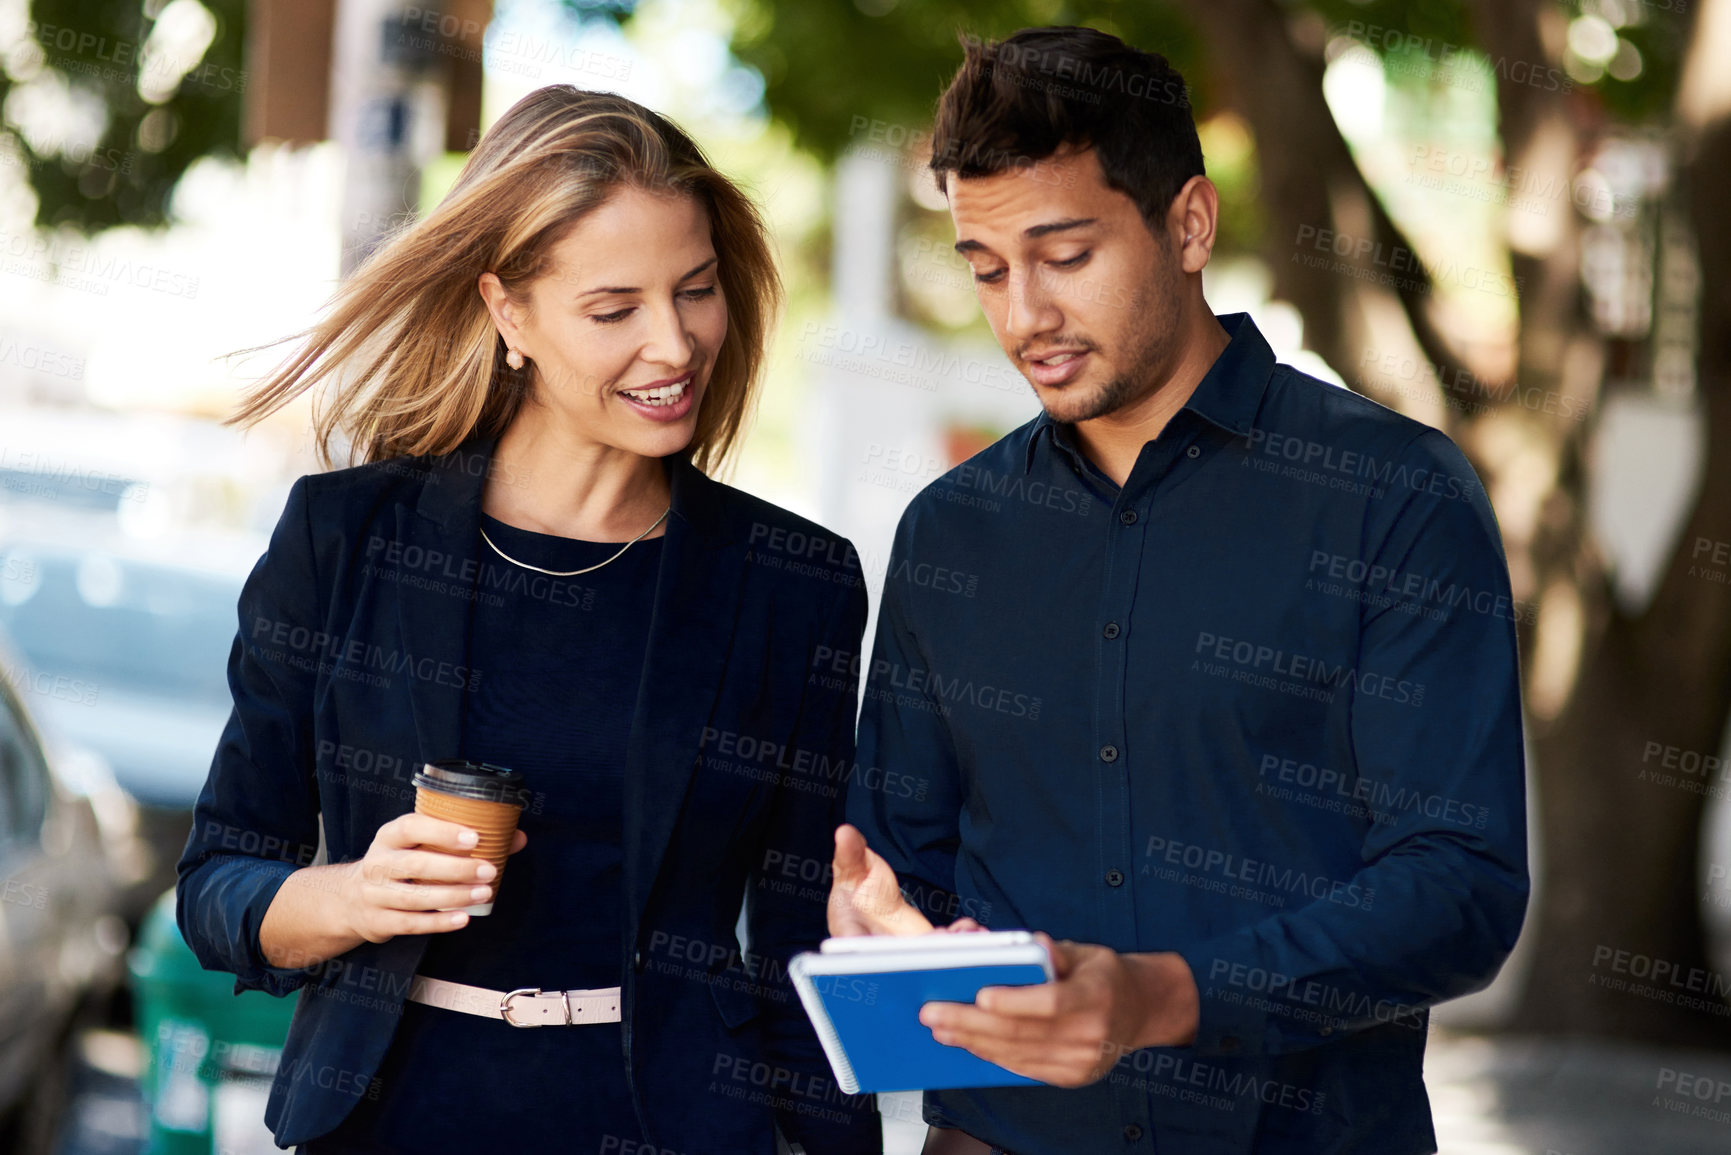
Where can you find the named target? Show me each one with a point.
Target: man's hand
(864, 897)
(1070, 1032)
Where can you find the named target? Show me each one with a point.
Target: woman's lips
(663, 402)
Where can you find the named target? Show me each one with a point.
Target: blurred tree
(108, 102)
(158, 84)
(1604, 682)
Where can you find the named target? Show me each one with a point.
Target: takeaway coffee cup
(487, 799)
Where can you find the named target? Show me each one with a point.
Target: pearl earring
(513, 358)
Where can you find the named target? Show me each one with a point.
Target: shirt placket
(1126, 545)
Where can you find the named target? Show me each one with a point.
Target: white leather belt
(523, 1007)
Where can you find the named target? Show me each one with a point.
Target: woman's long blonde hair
(412, 360)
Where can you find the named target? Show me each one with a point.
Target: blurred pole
(395, 84)
(865, 235)
(387, 114)
(405, 86)
(862, 289)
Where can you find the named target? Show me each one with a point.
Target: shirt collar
(1228, 395)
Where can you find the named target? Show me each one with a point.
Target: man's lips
(1056, 366)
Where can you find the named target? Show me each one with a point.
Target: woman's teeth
(666, 395)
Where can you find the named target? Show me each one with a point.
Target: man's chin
(1072, 403)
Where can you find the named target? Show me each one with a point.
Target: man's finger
(1039, 1001)
(968, 1022)
(851, 863)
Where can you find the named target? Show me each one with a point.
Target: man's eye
(1073, 261)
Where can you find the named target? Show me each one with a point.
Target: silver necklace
(586, 569)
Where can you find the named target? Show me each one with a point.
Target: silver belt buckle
(532, 992)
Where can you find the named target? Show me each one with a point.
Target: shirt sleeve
(256, 820)
(909, 796)
(1435, 715)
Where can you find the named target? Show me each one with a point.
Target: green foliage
(837, 70)
(831, 70)
(144, 148)
(834, 71)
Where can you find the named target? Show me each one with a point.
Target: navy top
(563, 658)
(1259, 707)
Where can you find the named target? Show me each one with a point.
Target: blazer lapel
(690, 633)
(435, 623)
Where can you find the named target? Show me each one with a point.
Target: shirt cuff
(268, 876)
(1241, 1006)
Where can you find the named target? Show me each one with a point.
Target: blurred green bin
(212, 1053)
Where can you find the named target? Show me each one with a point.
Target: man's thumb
(851, 865)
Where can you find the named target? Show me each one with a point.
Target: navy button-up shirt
(1260, 707)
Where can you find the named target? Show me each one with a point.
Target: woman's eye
(990, 278)
(1073, 261)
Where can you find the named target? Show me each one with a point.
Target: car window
(104, 624)
(23, 778)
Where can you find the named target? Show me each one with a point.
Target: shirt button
(637, 961)
(1111, 630)
(1128, 517)
(1132, 1133)
(1193, 451)
(1108, 753)
(1114, 878)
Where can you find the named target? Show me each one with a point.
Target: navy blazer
(349, 671)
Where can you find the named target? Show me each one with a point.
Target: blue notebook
(864, 997)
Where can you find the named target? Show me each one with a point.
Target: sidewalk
(1510, 1096)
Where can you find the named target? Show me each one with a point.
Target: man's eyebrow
(627, 289)
(1056, 227)
(1033, 231)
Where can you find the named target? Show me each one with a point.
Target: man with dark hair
(1234, 701)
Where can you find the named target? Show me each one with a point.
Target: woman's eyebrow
(623, 289)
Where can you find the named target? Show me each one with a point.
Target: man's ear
(1191, 222)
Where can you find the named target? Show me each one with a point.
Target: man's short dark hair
(1018, 101)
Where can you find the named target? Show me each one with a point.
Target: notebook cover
(876, 1041)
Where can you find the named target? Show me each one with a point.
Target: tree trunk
(1619, 851)
(1622, 842)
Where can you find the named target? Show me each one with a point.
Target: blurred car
(127, 641)
(61, 937)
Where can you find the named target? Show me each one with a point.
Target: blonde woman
(532, 570)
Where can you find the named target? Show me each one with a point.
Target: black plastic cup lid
(481, 781)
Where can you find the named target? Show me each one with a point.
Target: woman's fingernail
(468, 838)
(485, 870)
(479, 893)
(459, 918)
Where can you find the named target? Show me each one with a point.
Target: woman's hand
(864, 897)
(416, 866)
